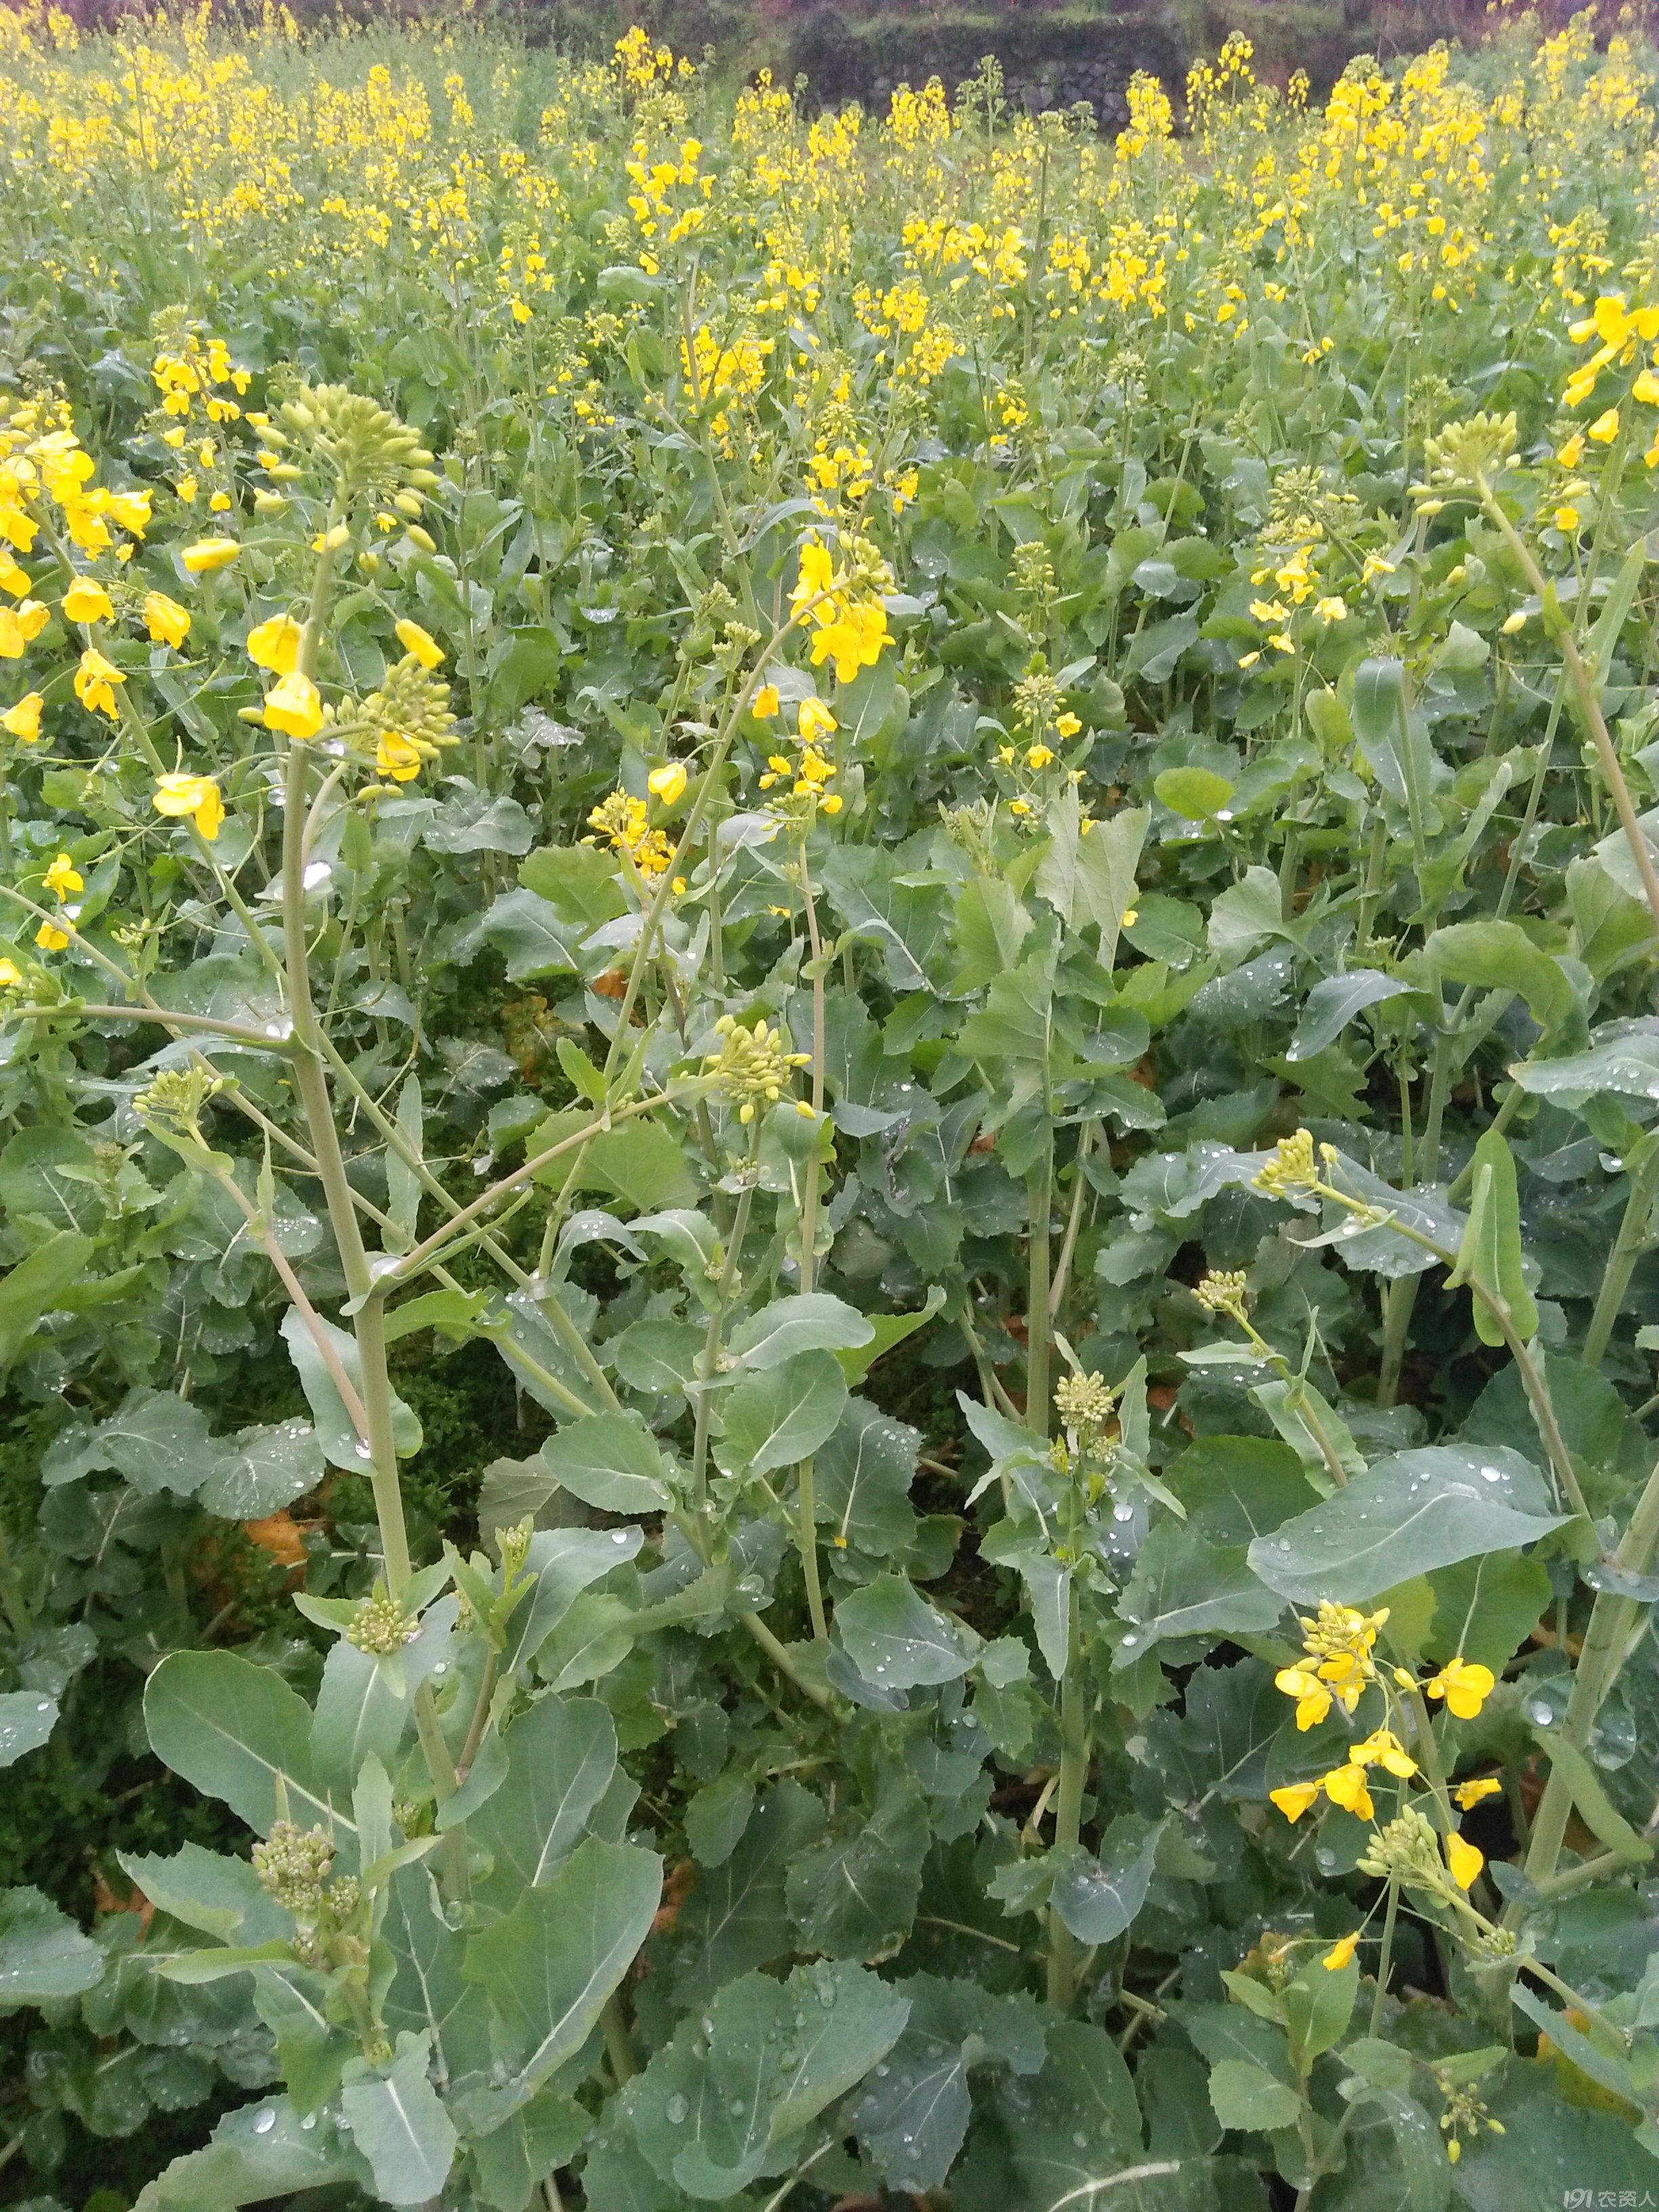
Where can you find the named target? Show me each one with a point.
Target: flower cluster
(841, 607)
(752, 1065)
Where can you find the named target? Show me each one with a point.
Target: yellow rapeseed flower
(94, 684)
(23, 720)
(293, 706)
(87, 601)
(168, 622)
(275, 644)
(667, 784)
(1464, 1687)
(394, 755)
(208, 554)
(195, 795)
(64, 879)
(424, 647)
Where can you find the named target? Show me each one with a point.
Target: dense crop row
(920, 844)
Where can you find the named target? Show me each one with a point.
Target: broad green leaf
(1333, 1004)
(29, 1290)
(43, 1954)
(1184, 1585)
(232, 1729)
(1067, 2139)
(660, 1355)
(914, 2111)
(1246, 914)
(853, 1895)
(363, 1707)
(1486, 1608)
(1623, 1060)
(1245, 2096)
(724, 2103)
(811, 1322)
(1234, 1488)
(1197, 795)
(336, 1431)
(428, 1993)
(259, 1470)
(561, 1757)
(716, 1816)
(1318, 2005)
(534, 935)
(399, 2125)
(564, 1561)
(223, 1897)
(1097, 1898)
(610, 1461)
(49, 1176)
(262, 2151)
(27, 1719)
(887, 1330)
(988, 926)
(1489, 1253)
(736, 1918)
(552, 1962)
(158, 1440)
(865, 1468)
(1499, 956)
(777, 1417)
(895, 1638)
(1411, 1513)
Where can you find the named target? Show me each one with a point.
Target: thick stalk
(1589, 705)
(1040, 1190)
(1611, 1622)
(807, 1534)
(1628, 1248)
(1068, 1805)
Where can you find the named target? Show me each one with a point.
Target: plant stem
(1040, 1191)
(1628, 1247)
(1385, 1958)
(1068, 1802)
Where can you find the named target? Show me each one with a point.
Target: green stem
(1068, 1803)
(1040, 1191)
(1628, 1248)
(1385, 1958)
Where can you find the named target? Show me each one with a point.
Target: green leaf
(534, 935)
(43, 1954)
(363, 1707)
(1606, 1823)
(1014, 1023)
(223, 1897)
(564, 1561)
(231, 1729)
(811, 1322)
(261, 2151)
(1184, 1585)
(610, 1461)
(1245, 2096)
(775, 1418)
(1499, 956)
(865, 1467)
(853, 1895)
(1486, 1608)
(990, 925)
(260, 1469)
(658, 1355)
(29, 1290)
(726, 2101)
(336, 1431)
(1097, 1898)
(895, 1638)
(642, 1163)
(1066, 2140)
(561, 1759)
(158, 1440)
(1333, 1004)
(1318, 2005)
(1246, 914)
(27, 1719)
(552, 1962)
(1197, 795)
(716, 1816)
(399, 2125)
(49, 1176)
(1411, 1513)
(737, 1917)
(887, 1330)
(1489, 1253)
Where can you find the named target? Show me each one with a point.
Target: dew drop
(265, 2122)
(1541, 1713)
(674, 2112)
(1080, 2140)
(309, 2121)
(882, 2070)
(619, 1535)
